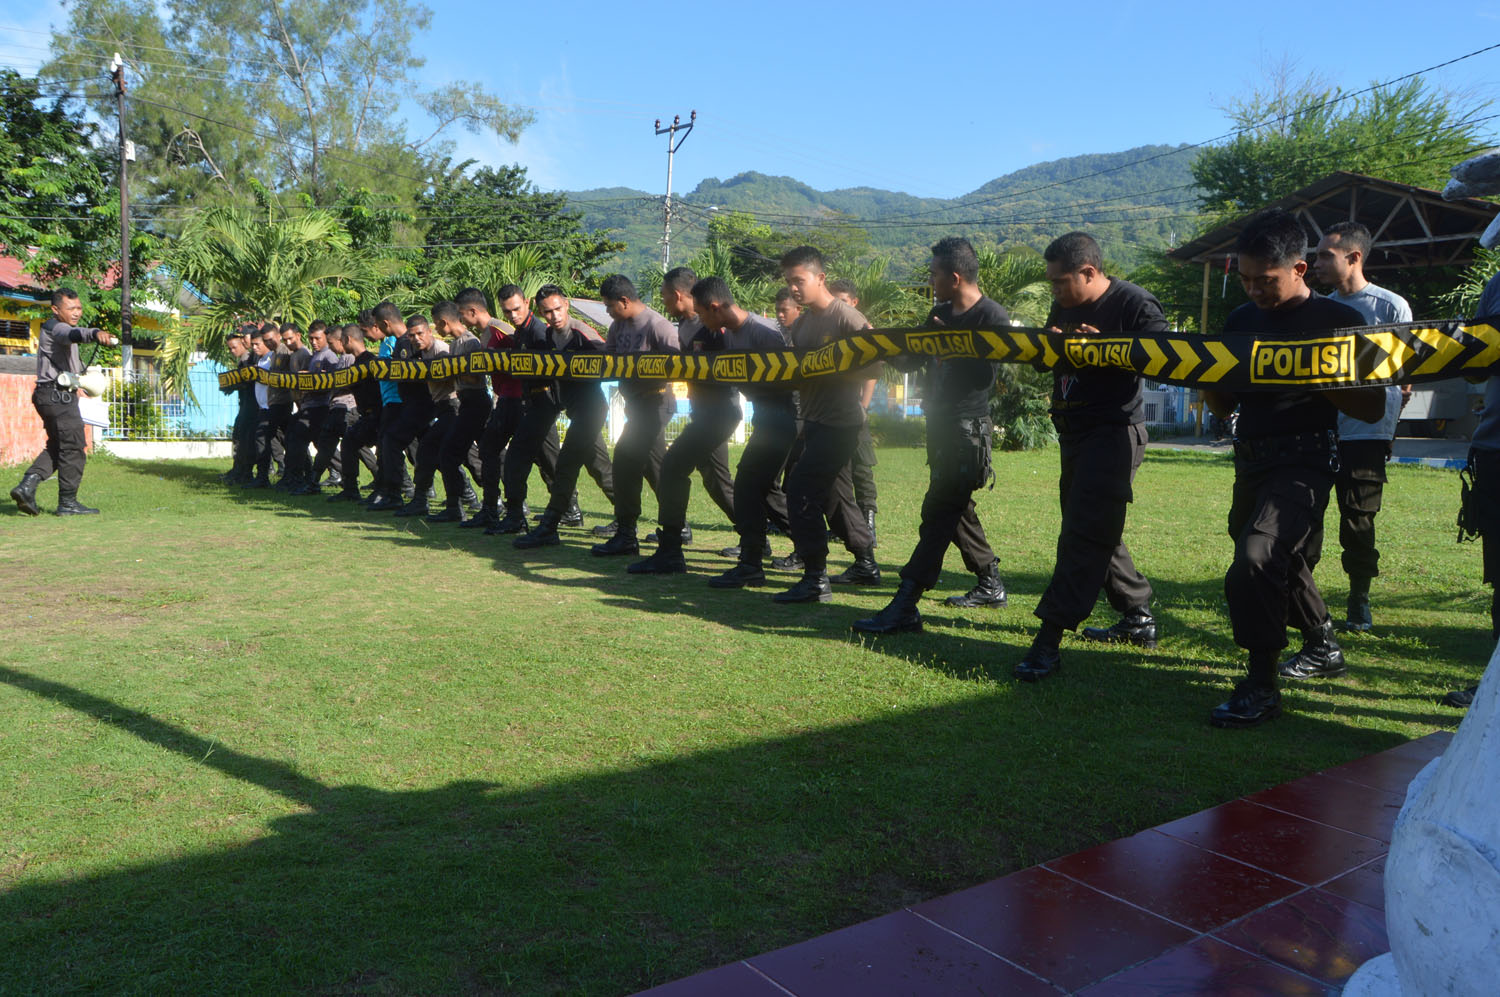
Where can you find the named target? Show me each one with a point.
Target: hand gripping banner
(1366, 356)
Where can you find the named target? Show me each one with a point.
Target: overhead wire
(1229, 134)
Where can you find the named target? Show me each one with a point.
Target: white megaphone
(93, 383)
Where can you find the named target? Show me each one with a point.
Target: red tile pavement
(1365, 884)
(1276, 841)
(1206, 966)
(1281, 892)
(1175, 880)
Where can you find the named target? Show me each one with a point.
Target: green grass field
(265, 744)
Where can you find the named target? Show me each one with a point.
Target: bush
(133, 412)
(890, 430)
(1023, 396)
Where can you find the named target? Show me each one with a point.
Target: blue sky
(932, 101)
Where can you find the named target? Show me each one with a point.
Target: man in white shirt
(1364, 447)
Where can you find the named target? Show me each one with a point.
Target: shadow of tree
(613, 881)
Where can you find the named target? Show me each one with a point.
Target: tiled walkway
(1280, 892)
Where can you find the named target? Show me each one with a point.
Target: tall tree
(1297, 132)
(59, 207)
(301, 96)
(490, 211)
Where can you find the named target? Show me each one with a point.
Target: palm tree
(524, 266)
(1017, 280)
(884, 302)
(256, 264)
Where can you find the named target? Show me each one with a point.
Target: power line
(1229, 134)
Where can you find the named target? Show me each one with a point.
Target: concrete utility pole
(673, 144)
(127, 154)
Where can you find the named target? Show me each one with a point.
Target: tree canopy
(301, 97)
(1297, 133)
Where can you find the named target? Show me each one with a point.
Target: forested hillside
(1132, 201)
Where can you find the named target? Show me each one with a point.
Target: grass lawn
(256, 743)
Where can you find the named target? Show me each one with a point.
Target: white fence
(142, 410)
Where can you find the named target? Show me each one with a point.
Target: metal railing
(142, 410)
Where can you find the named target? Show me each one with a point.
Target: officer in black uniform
(365, 430)
(1100, 420)
(1285, 459)
(57, 354)
(509, 405)
(956, 399)
(862, 464)
(773, 428)
(246, 411)
(410, 422)
(702, 445)
(587, 412)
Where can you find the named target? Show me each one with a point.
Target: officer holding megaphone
(59, 378)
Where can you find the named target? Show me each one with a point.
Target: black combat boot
(899, 616)
(470, 500)
(543, 535)
(345, 495)
(1252, 703)
(792, 562)
(68, 505)
(1136, 627)
(870, 522)
(734, 552)
(1357, 616)
(25, 494)
(989, 590)
(864, 571)
(655, 535)
(483, 519)
(1044, 657)
(622, 541)
(452, 513)
(606, 529)
(741, 575)
(667, 560)
(513, 522)
(811, 587)
(417, 506)
(1320, 657)
(574, 516)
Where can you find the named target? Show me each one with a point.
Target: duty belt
(1266, 448)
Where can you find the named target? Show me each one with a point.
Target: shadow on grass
(609, 882)
(971, 645)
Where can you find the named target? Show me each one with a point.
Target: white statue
(1442, 877)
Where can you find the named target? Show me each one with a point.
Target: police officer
(57, 354)
(1363, 447)
(959, 432)
(587, 412)
(773, 428)
(1100, 420)
(862, 464)
(702, 445)
(243, 432)
(364, 431)
(819, 493)
(649, 404)
(413, 415)
(1481, 513)
(1284, 463)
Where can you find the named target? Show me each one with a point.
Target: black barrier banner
(1343, 358)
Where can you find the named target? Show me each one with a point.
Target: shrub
(133, 412)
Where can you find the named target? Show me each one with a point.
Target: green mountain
(1130, 201)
